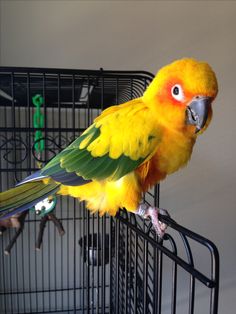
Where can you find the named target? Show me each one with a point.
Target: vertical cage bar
(88, 217)
(117, 288)
(135, 271)
(30, 271)
(174, 288)
(93, 264)
(215, 273)
(88, 266)
(174, 276)
(126, 271)
(98, 268)
(111, 240)
(30, 165)
(35, 268)
(103, 233)
(3, 262)
(145, 270)
(88, 101)
(28, 123)
(74, 210)
(28, 139)
(13, 114)
(103, 264)
(49, 267)
(155, 285)
(159, 267)
(83, 257)
(59, 107)
(192, 279)
(45, 115)
(191, 294)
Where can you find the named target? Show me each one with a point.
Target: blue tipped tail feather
(25, 196)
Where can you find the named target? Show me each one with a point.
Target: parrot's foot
(147, 211)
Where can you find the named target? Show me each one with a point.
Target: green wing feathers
(120, 140)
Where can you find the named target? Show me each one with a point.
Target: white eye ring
(177, 92)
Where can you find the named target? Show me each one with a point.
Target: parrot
(128, 148)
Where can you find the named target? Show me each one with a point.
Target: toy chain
(38, 121)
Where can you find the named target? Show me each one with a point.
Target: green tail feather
(25, 193)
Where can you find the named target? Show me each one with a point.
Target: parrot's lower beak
(197, 111)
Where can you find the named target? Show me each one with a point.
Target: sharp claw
(164, 212)
(152, 212)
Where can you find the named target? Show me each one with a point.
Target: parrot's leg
(147, 211)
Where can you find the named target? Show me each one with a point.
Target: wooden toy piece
(42, 226)
(17, 222)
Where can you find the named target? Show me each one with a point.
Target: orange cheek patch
(165, 95)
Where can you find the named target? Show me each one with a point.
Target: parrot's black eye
(177, 92)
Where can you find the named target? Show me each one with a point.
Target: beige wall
(144, 35)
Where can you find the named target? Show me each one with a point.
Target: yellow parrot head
(181, 95)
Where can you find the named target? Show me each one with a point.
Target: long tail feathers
(24, 197)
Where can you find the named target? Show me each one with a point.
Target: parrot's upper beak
(197, 111)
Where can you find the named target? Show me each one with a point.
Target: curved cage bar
(185, 260)
(85, 263)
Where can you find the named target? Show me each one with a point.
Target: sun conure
(129, 147)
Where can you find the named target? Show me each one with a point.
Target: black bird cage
(93, 264)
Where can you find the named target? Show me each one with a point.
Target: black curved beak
(197, 111)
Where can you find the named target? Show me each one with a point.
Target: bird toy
(47, 205)
(44, 207)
